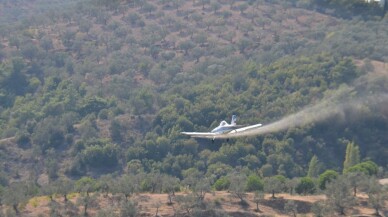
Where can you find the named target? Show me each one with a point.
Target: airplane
(225, 130)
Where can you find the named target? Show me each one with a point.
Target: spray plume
(338, 104)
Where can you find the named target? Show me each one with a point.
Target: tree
(46, 43)
(352, 156)
(242, 7)
(170, 185)
(254, 183)
(104, 184)
(149, 8)
(305, 186)
(313, 167)
(273, 185)
(85, 186)
(14, 195)
(49, 134)
(266, 170)
(203, 3)
(368, 168)
(243, 44)
(339, 196)
(63, 187)
(198, 183)
(92, 105)
(13, 77)
(237, 186)
(326, 177)
(157, 205)
(186, 46)
(377, 195)
(177, 4)
(97, 156)
(201, 188)
(87, 201)
(68, 38)
(222, 183)
(215, 6)
(115, 130)
(128, 208)
(356, 180)
(291, 207)
(257, 198)
(128, 184)
(15, 41)
(320, 209)
(197, 53)
(291, 184)
(187, 203)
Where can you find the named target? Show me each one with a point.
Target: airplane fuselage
(223, 129)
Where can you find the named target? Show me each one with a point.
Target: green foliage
(368, 168)
(352, 156)
(49, 133)
(339, 196)
(221, 184)
(349, 8)
(313, 167)
(377, 195)
(128, 208)
(92, 105)
(100, 156)
(14, 195)
(274, 184)
(90, 76)
(305, 186)
(326, 177)
(85, 184)
(254, 183)
(237, 185)
(291, 207)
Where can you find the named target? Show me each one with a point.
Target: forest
(94, 95)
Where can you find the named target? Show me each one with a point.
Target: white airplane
(225, 130)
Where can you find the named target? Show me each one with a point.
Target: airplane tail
(234, 119)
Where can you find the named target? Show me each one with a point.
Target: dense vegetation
(105, 87)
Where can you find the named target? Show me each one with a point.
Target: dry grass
(147, 204)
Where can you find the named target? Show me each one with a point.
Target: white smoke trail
(336, 105)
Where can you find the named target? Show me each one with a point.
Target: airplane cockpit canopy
(223, 123)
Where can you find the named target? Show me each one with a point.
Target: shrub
(305, 186)
(326, 177)
(222, 183)
(254, 183)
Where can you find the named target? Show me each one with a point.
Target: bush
(101, 156)
(22, 138)
(367, 167)
(254, 183)
(222, 183)
(326, 177)
(305, 186)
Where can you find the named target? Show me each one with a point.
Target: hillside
(103, 89)
(222, 202)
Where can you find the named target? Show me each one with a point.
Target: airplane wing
(243, 131)
(201, 135)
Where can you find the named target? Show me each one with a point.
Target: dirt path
(9, 139)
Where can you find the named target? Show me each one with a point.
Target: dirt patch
(303, 207)
(384, 181)
(216, 202)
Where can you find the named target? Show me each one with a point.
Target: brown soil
(147, 205)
